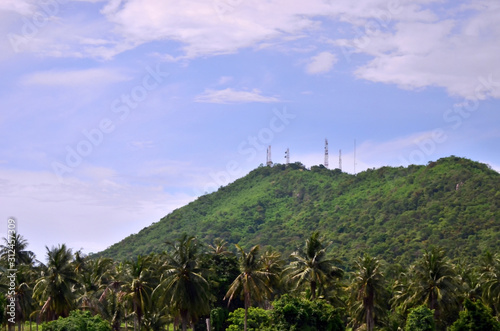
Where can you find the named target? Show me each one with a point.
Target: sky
(116, 112)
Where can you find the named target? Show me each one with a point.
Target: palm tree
(113, 298)
(432, 281)
(253, 282)
(490, 277)
(273, 264)
(312, 266)
(184, 287)
(368, 293)
(94, 277)
(219, 247)
(54, 289)
(136, 286)
(21, 254)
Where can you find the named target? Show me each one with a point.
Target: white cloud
(321, 63)
(230, 95)
(74, 77)
(22, 7)
(412, 44)
(458, 55)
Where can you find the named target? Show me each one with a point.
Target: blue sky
(116, 112)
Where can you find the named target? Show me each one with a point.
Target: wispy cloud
(230, 95)
(74, 77)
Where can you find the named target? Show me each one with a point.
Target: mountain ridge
(390, 212)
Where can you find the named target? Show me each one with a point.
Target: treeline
(201, 286)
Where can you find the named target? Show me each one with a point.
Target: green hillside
(389, 212)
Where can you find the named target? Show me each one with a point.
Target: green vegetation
(391, 213)
(308, 283)
(77, 321)
(420, 319)
(475, 317)
(294, 314)
(256, 318)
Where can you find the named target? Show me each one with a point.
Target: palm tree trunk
(135, 316)
(369, 319)
(369, 304)
(313, 290)
(184, 317)
(247, 304)
(246, 318)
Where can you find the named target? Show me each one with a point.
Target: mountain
(392, 213)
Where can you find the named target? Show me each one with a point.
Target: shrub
(78, 321)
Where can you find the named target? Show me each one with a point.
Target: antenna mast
(287, 156)
(326, 154)
(269, 162)
(354, 156)
(340, 159)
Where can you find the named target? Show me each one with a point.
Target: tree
(475, 317)
(222, 267)
(78, 321)
(136, 286)
(420, 319)
(490, 277)
(184, 286)
(253, 282)
(432, 281)
(290, 313)
(54, 289)
(113, 299)
(258, 319)
(94, 277)
(368, 293)
(21, 254)
(312, 266)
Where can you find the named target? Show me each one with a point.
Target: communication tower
(287, 156)
(326, 154)
(340, 159)
(269, 162)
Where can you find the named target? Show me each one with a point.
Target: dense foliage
(325, 279)
(391, 213)
(186, 286)
(78, 321)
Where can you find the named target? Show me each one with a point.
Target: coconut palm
(22, 293)
(136, 285)
(55, 288)
(219, 247)
(253, 282)
(368, 293)
(490, 276)
(183, 285)
(273, 264)
(21, 254)
(313, 267)
(113, 299)
(94, 277)
(432, 281)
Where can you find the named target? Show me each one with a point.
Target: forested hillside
(392, 213)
